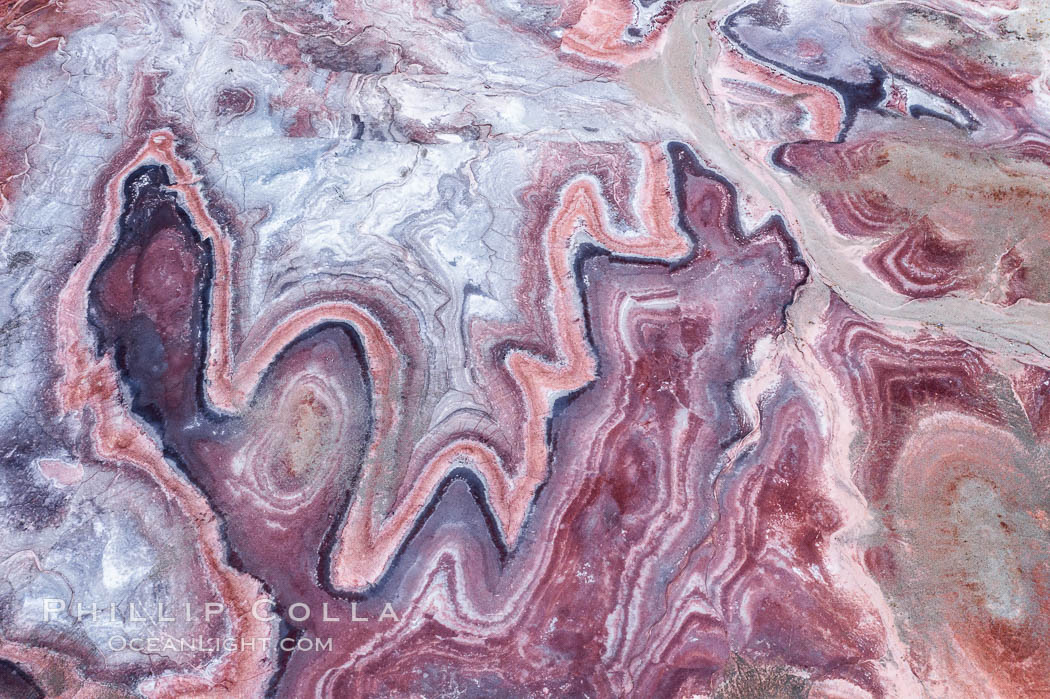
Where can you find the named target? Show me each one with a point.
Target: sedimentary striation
(587, 348)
